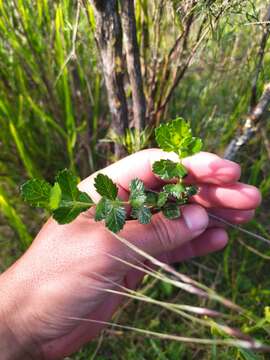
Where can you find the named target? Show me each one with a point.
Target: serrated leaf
(113, 212)
(167, 169)
(72, 201)
(101, 209)
(137, 193)
(163, 138)
(176, 136)
(68, 184)
(55, 196)
(170, 135)
(151, 199)
(65, 215)
(115, 216)
(162, 198)
(36, 192)
(191, 190)
(190, 147)
(171, 211)
(143, 214)
(176, 190)
(69, 210)
(105, 187)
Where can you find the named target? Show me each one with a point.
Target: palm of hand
(72, 263)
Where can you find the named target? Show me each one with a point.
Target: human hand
(57, 278)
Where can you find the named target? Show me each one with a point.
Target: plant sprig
(65, 201)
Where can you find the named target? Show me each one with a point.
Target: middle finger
(236, 196)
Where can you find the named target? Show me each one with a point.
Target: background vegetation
(207, 61)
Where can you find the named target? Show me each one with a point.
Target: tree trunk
(108, 34)
(133, 63)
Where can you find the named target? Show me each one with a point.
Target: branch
(261, 53)
(175, 53)
(180, 75)
(250, 126)
(133, 62)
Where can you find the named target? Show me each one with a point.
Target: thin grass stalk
(250, 345)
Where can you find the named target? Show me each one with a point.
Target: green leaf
(72, 201)
(143, 214)
(101, 209)
(176, 190)
(176, 136)
(68, 184)
(113, 212)
(55, 196)
(36, 192)
(171, 211)
(151, 199)
(167, 169)
(164, 138)
(190, 147)
(191, 190)
(162, 198)
(115, 216)
(105, 187)
(137, 193)
(69, 210)
(170, 135)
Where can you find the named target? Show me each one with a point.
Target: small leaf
(190, 146)
(65, 215)
(167, 169)
(151, 199)
(191, 190)
(137, 193)
(143, 214)
(69, 210)
(72, 202)
(68, 184)
(197, 145)
(176, 136)
(162, 198)
(36, 192)
(112, 212)
(163, 138)
(115, 216)
(101, 209)
(55, 196)
(176, 190)
(171, 211)
(169, 136)
(105, 187)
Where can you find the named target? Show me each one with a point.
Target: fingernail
(195, 217)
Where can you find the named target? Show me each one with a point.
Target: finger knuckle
(163, 232)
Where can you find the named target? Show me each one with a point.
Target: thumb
(163, 235)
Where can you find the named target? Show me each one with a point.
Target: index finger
(203, 167)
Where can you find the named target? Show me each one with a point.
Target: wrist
(15, 341)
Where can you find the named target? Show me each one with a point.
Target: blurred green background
(54, 114)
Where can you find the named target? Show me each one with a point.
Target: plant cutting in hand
(65, 201)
